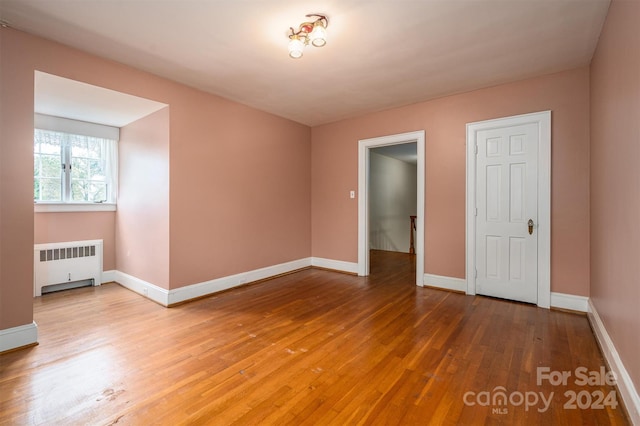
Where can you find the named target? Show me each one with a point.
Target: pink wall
(61, 227)
(240, 190)
(237, 203)
(615, 180)
(142, 220)
(335, 164)
(16, 186)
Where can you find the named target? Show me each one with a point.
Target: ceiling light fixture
(308, 32)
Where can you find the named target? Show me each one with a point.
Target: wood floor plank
(314, 347)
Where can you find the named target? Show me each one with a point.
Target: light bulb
(319, 35)
(296, 46)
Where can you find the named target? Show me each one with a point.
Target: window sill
(73, 207)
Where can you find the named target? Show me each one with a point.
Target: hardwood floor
(314, 347)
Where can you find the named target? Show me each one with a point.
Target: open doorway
(383, 180)
(393, 202)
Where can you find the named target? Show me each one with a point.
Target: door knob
(530, 224)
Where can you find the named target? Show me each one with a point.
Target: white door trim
(364, 147)
(543, 227)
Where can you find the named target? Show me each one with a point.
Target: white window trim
(43, 207)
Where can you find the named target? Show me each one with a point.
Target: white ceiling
(66, 98)
(407, 152)
(379, 54)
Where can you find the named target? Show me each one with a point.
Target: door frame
(364, 147)
(543, 227)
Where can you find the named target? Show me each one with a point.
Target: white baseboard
(448, 283)
(337, 265)
(151, 291)
(558, 300)
(17, 337)
(193, 291)
(108, 276)
(626, 386)
(569, 301)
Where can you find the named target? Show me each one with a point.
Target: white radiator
(66, 265)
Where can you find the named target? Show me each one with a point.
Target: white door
(507, 212)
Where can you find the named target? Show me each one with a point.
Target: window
(71, 168)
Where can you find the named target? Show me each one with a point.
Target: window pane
(50, 166)
(88, 178)
(78, 145)
(88, 191)
(36, 165)
(47, 166)
(46, 142)
(47, 163)
(94, 146)
(98, 192)
(96, 169)
(49, 189)
(79, 190)
(79, 168)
